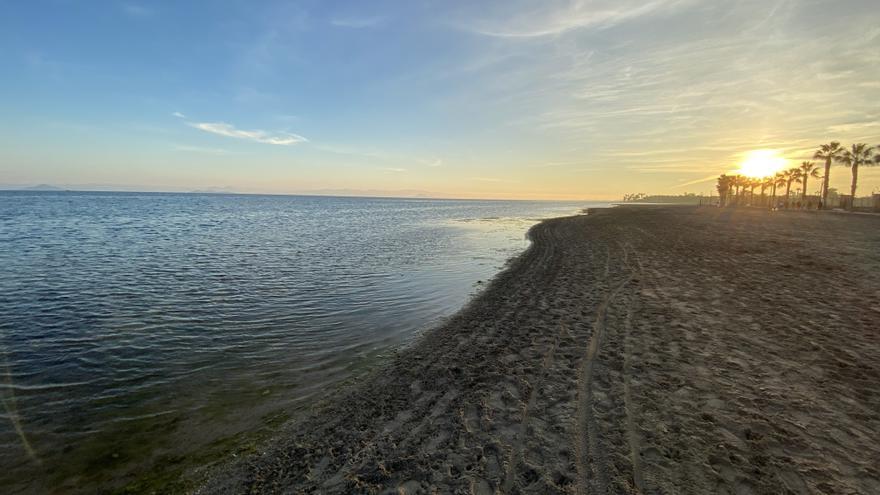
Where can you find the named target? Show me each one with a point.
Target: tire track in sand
(587, 441)
(516, 451)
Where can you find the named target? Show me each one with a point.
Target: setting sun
(762, 163)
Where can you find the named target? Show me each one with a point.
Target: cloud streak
(681, 99)
(257, 136)
(557, 18)
(437, 162)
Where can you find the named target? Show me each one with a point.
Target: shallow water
(139, 330)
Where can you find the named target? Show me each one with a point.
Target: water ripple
(145, 323)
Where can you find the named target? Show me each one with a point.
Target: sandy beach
(633, 350)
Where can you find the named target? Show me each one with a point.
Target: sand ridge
(634, 350)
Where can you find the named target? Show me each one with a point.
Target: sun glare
(761, 163)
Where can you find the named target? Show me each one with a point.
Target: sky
(494, 99)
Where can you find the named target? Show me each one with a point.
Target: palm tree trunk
(772, 196)
(825, 183)
(787, 193)
(804, 194)
(855, 181)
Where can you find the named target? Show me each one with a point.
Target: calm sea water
(142, 332)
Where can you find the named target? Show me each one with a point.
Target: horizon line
(29, 189)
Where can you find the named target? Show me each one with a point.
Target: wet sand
(634, 350)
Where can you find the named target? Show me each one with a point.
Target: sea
(143, 334)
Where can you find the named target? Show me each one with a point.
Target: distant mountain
(42, 187)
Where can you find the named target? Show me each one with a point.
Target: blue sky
(575, 99)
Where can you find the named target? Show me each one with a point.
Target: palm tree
(736, 181)
(829, 152)
(765, 183)
(730, 181)
(724, 183)
(858, 154)
(778, 180)
(791, 175)
(743, 188)
(753, 183)
(807, 170)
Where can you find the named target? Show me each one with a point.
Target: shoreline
(215, 478)
(624, 351)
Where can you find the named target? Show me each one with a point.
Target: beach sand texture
(634, 350)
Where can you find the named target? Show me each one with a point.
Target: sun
(761, 163)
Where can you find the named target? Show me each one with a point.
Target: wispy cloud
(393, 169)
(670, 168)
(556, 164)
(358, 22)
(178, 115)
(556, 18)
(258, 136)
(854, 126)
(708, 178)
(679, 100)
(275, 41)
(437, 162)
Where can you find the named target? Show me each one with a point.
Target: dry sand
(636, 350)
